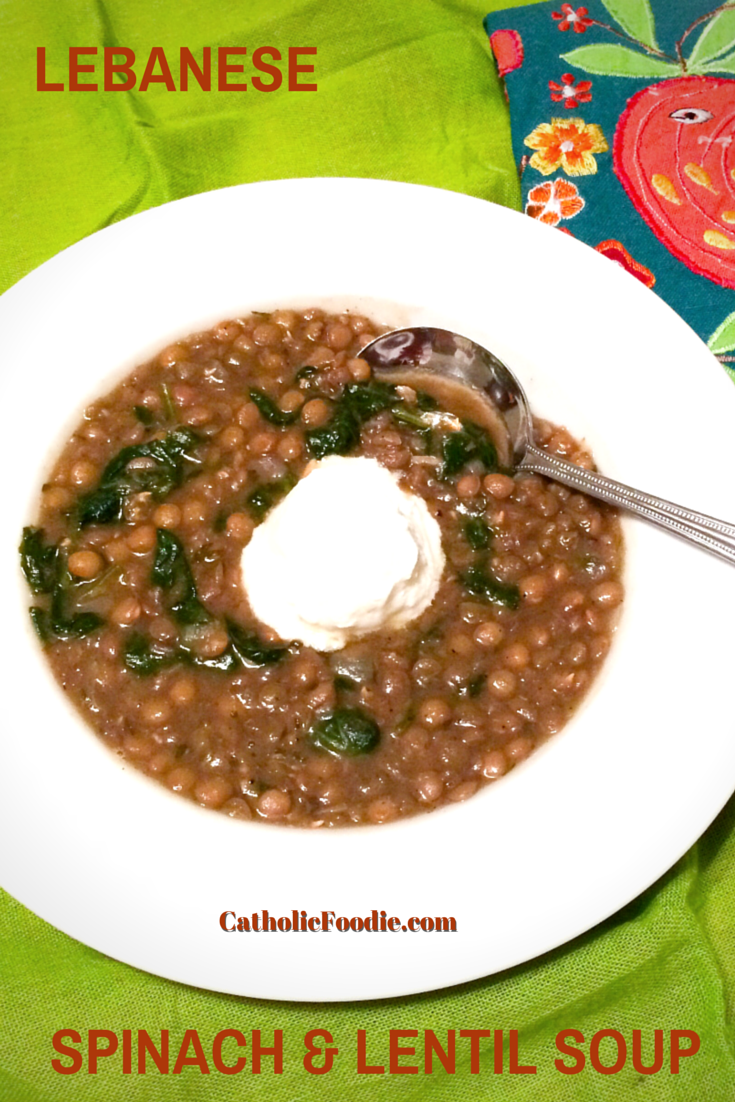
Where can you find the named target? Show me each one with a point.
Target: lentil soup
(134, 562)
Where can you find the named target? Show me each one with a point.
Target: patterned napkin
(623, 123)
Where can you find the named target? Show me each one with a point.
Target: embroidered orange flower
(554, 200)
(569, 144)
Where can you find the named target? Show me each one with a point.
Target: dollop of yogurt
(345, 553)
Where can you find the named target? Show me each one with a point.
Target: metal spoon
(404, 353)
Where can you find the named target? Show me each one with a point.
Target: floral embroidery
(569, 144)
(554, 200)
(569, 93)
(568, 17)
(617, 252)
(508, 50)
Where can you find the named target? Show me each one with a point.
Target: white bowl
(592, 819)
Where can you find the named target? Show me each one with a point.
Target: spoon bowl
(403, 354)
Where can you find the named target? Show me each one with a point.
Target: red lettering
(394, 924)
(314, 924)
(93, 1049)
(474, 1036)
(431, 1045)
(224, 68)
(43, 86)
(622, 1048)
(127, 1053)
(294, 69)
(677, 1052)
(271, 70)
(198, 1060)
(202, 76)
(395, 1051)
(157, 57)
(363, 1068)
(498, 1052)
(228, 1069)
(276, 1052)
(658, 1052)
(146, 1047)
(313, 1050)
(75, 52)
(568, 1050)
(76, 1056)
(125, 67)
(223, 922)
(513, 1066)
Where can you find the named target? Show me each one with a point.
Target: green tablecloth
(406, 91)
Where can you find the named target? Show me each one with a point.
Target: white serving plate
(593, 818)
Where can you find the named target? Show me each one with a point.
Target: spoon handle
(715, 535)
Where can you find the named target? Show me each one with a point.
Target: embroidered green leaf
(635, 17)
(619, 61)
(723, 338)
(725, 64)
(717, 37)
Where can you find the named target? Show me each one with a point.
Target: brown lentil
(85, 564)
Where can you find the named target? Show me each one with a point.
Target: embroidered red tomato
(674, 153)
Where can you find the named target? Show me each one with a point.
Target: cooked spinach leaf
(171, 571)
(270, 410)
(481, 583)
(163, 474)
(57, 625)
(357, 403)
(141, 657)
(457, 449)
(44, 566)
(344, 684)
(38, 560)
(250, 649)
(71, 626)
(144, 415)
(262, 499)
(425, 401)
(347, 732)
(103, 506)
(474, 686)
(39, 618)
(477, 533)
(340, 434)
(469, 443)
(414, 420)
(367, 399)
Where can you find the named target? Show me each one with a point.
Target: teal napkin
(622, 115)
